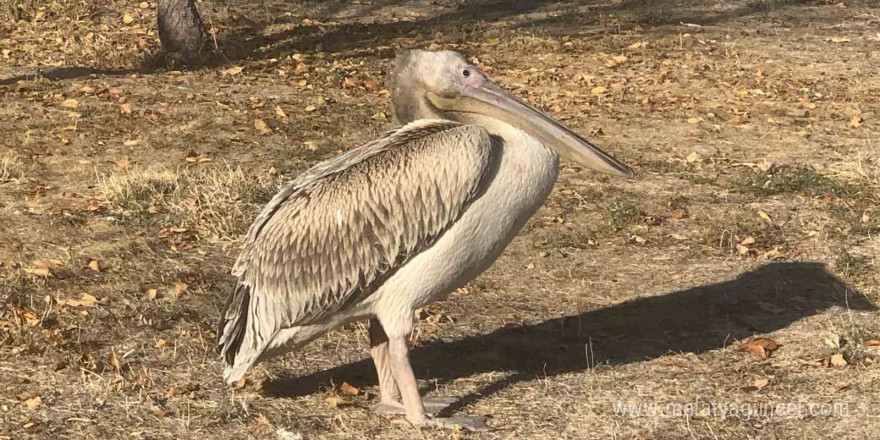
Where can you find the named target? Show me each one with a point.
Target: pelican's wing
(338, 231)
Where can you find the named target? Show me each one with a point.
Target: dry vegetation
(217, 202)
(125, 186)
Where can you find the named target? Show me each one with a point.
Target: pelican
(398, 223)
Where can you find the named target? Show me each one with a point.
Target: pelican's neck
(410, 104)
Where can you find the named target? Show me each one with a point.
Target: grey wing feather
(334, 234)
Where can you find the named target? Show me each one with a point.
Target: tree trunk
(181, 29)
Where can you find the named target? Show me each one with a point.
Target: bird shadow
(694, 320)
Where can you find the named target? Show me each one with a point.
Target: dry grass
(6, 169)
(751, 125)
(219, 202)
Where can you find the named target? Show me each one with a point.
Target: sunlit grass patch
(624, 214)
(217, 202)
(801, 180)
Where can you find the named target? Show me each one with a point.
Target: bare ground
(752, 127)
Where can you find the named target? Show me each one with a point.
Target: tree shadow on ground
(248, 39)
(562, 17)
(694, 320)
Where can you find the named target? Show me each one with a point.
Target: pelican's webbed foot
(433, 406)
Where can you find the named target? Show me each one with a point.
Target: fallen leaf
(143, 5)
(638, 45)
(855, 121)
(93, 265)
(160, 344)
(311, 108)
(132, 143)
(33, 403)
(38, 271)
(761, 383)
(772, 254)
(280, 112)
(747, 241)
(337, 402)
(370, 85)
(259, 124)
(615, 61)
(693, 157)
(873, 343)
(836, 360)
(345, 388)
(695, 120)
(597, 90)
(182, 390)
(127, 19)
(125, 109)
(151, 294)
(193, 157)
(757, 385)
(233, 70)
(760, 348)
(764, 216)
(70, 103)
(238, 384)
(25, 317)
(113, 360)
(838, 40)
(85, 301)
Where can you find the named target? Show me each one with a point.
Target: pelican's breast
(523, 176)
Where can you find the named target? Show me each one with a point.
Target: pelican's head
(444, 85)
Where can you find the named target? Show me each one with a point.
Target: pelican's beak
(488, 99)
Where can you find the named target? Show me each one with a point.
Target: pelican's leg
(409, 392)
(406, 380)
(389, 395)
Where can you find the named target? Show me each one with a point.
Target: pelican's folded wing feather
(332, 236)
